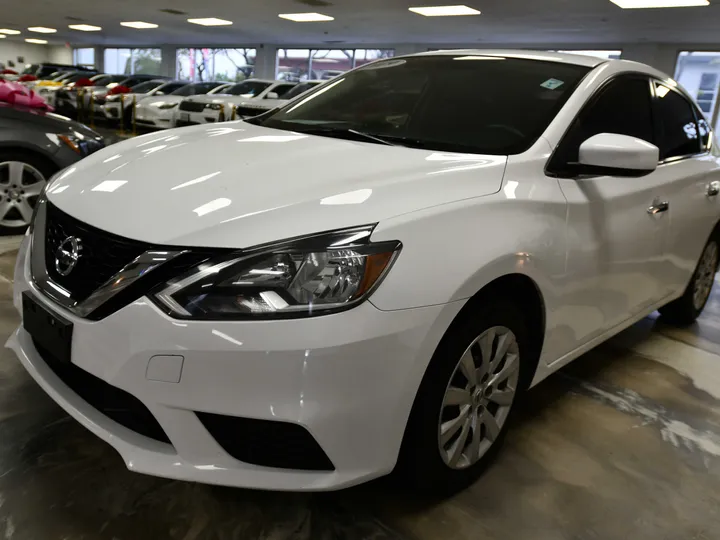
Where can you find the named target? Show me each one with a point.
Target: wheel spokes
(458, 446)
(32, 190)
(16, 169)
(451, 427)
(511, 366)
(492, 429)
(467, 366)
(457, 396)
(25, 210)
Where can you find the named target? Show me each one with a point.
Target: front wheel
(462, 408)
(22, 178)
(690, 305)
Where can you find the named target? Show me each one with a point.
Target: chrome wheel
(20, 187)
(705, 275)
(478, 397)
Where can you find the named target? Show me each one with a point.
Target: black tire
(43, 165)
(420, 462)
(127, 118)
(686, 309)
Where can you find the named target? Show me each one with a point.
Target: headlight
(214, 106)
(167, 105)
(80, 144)
(301, 278)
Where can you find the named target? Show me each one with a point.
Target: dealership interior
(622, 443)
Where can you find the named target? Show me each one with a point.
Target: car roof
(564, 58)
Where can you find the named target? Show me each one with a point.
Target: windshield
(145, 87)
(300, 89)
(247, 88)
(196, 89)
(169, 88)
(477, 104)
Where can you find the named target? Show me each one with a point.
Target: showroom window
(133, 61)
(226, 65)
(679, 133)
(321, 64)
(84, 57)
(699, 73)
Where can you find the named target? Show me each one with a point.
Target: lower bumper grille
(267, 443)
(191, 106)
(249, 112)
(183, 123)
(116, 404)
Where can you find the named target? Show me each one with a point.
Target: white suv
(370, 276)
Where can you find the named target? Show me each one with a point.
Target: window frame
(594, 97)
(702, 150)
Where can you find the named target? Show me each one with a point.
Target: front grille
(267, 443)
(250, 111)
(102, 254)
(116, 404)
(191, 106)
(113, 112)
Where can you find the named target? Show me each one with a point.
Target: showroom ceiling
(363, 21)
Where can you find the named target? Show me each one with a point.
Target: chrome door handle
(713, 188)
(657, 207)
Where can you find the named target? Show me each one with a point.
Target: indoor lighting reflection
(257, 212)
(351, 239)
(196, 180)
(510, 189)
(67, 173)
(224, 336)
(212, 206)
(109, 185)
(274, 138)
(351, 197)
(662, 91)
(480, 58)
(112, 158)
(154, 149)
(316, 94)
(58, 189)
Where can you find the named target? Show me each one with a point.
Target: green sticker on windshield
(552, 84)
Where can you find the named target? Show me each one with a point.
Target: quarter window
(622, 107)
(677, 129)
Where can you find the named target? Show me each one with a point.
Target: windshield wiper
(345, 133)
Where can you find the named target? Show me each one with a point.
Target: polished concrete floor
(622, 444)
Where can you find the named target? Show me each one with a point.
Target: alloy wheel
(478, 397)
(20, 187)
(705, 276)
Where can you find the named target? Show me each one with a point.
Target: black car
(47, 68)
(34, 145)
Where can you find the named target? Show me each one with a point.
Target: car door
(616, 226)
(690, 166)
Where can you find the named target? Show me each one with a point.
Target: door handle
(658, 207)
(713, 188)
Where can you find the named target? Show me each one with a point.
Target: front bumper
(208, 116)
(349, 379)
(155, 117)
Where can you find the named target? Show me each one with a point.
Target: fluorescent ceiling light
(37, 41)
(306, 17)
(210, 21)
(9, 32)
(444, 11)
(139, 25)
(85, 27)
(640, 4)
(42, 30)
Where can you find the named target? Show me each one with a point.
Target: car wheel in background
(23, 176)
(461, 412)
(690, 305)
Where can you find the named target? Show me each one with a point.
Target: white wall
(10, 50)
(60, 54)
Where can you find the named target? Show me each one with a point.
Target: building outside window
(229, 65)
(133, 61)
(321, 64)
(84, 57)
(699, 73)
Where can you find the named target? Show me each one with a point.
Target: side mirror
(272, 95)
(611, 154)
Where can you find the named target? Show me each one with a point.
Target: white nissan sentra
(368, 278)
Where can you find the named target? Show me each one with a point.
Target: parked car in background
(99, 95)
(50, 90)
(118, 107)
(67, 96)
(159, 111)
(44, 69)
(216, 107)
(34, 145)
(369, 279)
(254, 107)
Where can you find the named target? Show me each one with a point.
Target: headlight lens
(215, 106)
(167, 105)
(307, 277)
(80, 144)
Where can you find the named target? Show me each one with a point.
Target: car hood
(210, 98)
(160, 99)
(236, 185)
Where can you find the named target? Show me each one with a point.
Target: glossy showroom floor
(623, 444)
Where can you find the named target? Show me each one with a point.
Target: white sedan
(119, 106)
(369, 277)
(254, 107)
(159, 111)
(219, 107)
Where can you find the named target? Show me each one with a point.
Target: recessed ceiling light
(306, 17)
(640, 4)
(444, 11)
(139, 25)
(42, 30)
(84, 27)
(210, 21)
(9, 32)
(36, 41)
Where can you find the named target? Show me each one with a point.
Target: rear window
(464, 103)
(195, 89)
(247, 88)
(145, 87)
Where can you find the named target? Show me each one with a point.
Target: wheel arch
(29, 149)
